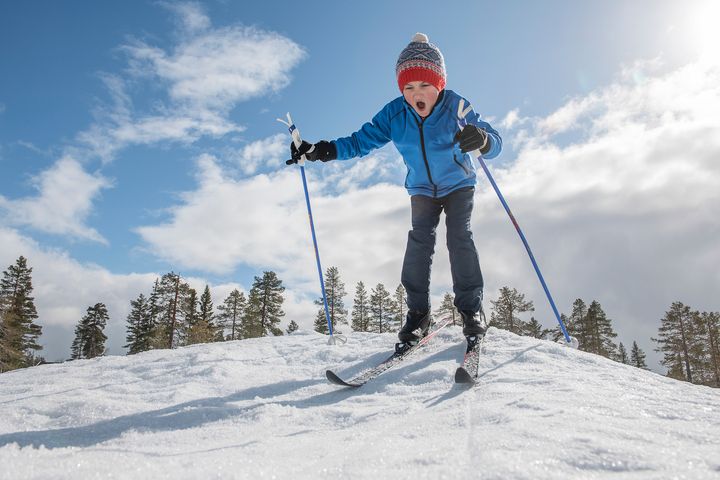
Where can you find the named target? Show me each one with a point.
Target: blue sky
(140, 137)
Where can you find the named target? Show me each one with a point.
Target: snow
(262, 408)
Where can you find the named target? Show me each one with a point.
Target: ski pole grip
(295, 134)
(462, 113)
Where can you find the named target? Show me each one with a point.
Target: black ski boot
(473, 323)
(416, 327)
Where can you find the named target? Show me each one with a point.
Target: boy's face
(422, 96)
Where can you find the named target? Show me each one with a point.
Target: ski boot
(416, 326)
(473, 327)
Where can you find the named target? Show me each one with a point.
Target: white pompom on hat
(421, 61)
(420, 38)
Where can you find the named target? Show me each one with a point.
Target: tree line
(690, 343)
(589, 324)
(377, 311)
(173, 315)
(690, 340)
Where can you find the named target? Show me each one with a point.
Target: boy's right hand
(323, 151)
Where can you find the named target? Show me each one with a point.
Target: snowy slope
(262, 409)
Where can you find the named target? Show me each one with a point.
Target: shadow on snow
(199, 412)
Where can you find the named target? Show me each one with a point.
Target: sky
(141, 137)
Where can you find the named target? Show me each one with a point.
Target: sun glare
(703, 28)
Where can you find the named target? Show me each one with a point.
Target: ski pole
(295, 133)
(570, 341)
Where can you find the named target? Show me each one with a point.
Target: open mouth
(420, 105)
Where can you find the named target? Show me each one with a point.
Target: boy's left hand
(471, 138)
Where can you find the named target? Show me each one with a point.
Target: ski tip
(333, 378)
(462, 376)
(330, 375)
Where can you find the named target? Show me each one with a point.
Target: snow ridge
(261, 408)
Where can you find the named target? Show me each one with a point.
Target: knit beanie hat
(421, 61)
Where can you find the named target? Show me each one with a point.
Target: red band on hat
(417, 74)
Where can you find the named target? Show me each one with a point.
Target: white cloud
(382, 166)
(226, 222)
(63, 204)
(262, 222)
(268, 152)
(511, 119)
(190, 16)
(220, 67)
(205, 75)
(33, 148)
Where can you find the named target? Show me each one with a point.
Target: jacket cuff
(488, 144)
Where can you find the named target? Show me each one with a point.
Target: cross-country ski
(402, 352)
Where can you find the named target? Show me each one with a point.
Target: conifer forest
(171, 314)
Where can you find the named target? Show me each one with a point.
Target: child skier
(423, 125)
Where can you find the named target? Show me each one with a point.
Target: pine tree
(11, 357)
(699, 353)
(155, 315)
(622, 355)
(334, 292)
(78, 344)
(598, 332)
(575, 324)
(320, 324)
(201, 332)
(556, 332)
(169, 298)
(447, 308)
(18, 331)
(505, 310)
(264, 309)
(637, 356)
(678, 342)
(361, 309)
(89, 339)
(206, 306)
(533, 328)
(397, 308)
(95, 338)
(380, 312)
(709, 323)
(702, 358)
(231, 313)
(188, 331)
(676, 369)
(206, 330)
(292, 327)
(139, 326)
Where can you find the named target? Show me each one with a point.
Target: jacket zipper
(427, 165)
(465, 169)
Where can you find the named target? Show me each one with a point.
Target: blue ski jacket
(435, 165)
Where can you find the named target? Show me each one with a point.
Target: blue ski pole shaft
(317, 252)
(295, 134)
(462, 111)
(527, 247)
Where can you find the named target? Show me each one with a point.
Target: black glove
(323, 151)
(472, 138)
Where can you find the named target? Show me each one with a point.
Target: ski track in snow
(262, 408)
